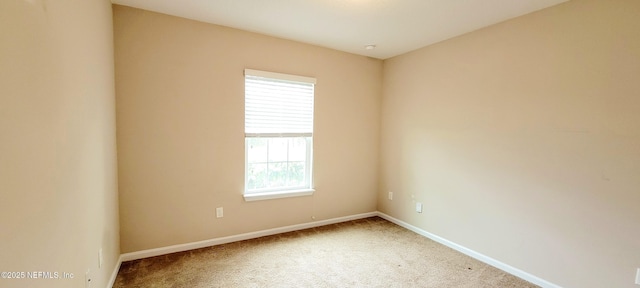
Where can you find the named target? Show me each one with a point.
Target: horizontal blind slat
(267, 135)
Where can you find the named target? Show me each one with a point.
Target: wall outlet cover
(638, 276)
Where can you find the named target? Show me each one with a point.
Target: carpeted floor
(370, 252)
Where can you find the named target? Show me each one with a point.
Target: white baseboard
(240, 237)
(473, 254)
(234, 238)
(114, 274)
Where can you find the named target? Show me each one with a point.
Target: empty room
(323, 143)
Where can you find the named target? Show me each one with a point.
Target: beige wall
(58, 185)
(180, 129)
(523, 142)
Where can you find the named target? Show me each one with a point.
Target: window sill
(277, 195)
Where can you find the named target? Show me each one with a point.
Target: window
(278, 135)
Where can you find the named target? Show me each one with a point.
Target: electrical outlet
(100, 258)
(638, 276)
(219, 212)
(390, 195)
(418, 207)
(87, 279)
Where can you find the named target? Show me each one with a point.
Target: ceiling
(393, 26)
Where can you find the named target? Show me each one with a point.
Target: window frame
(282, 191)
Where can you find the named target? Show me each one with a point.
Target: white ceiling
(394, 26)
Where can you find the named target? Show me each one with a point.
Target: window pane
(256, 150)
(298, 149)
(277, 174)
(257, 176)
(278, 149)
(277, 162)
(296, 174)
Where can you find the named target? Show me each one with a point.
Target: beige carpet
(370, 252)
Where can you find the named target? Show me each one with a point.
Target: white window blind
(278, 104)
